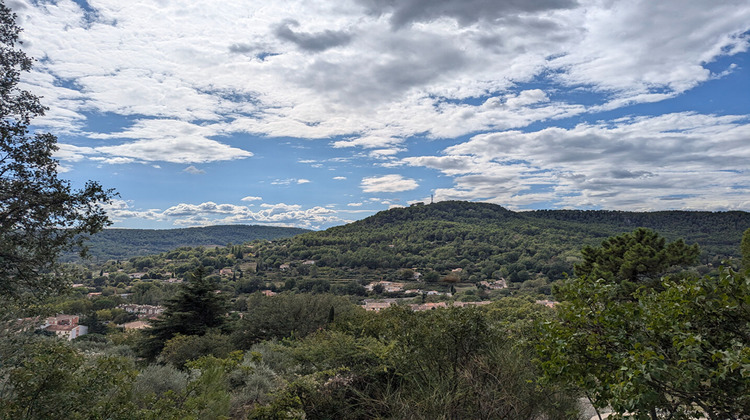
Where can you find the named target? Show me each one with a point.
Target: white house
(65, 326)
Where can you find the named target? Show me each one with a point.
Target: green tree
(286, 315)
(49, 379)
(183, 348)
(745, 250)
(675, 348)
(634, 259)
(40, 214)
(195, 310)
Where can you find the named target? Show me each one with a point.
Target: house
(136, 325)
(284, 267)
(547, 303)
(136, 275)
(495, 285)
(387, 286)
(142, 311)
(226, 271)
(465, 304)
(65, 326)
(268, 292)
(376, 306)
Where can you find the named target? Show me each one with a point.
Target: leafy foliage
(41, 215)
(287, 315)
(674, 347)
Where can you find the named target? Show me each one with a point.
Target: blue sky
(318, 113)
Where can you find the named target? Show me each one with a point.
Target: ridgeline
(122, 244)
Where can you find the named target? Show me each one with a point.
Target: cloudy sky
(316, 113)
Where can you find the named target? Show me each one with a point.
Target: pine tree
(195, 310)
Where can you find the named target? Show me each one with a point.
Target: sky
(318, 113)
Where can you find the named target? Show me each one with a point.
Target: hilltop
(488, 241)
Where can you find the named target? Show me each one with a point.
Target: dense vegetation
(122, 244)
(635, 332)
(488, 242)
(434, 247)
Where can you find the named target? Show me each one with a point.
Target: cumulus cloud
(176, 150)
(387, 183)
(178, 77)
(639, 163)
(251, 198)
(188, 64)
(314, 42)
(193, 170)
(465, 12)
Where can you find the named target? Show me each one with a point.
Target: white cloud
(387, 183)
(343, 72)
(193, 170)
(355, 204)
(71, 153)
(176, 150)
(339, 178)
(644, 163)
(384, 77)
(289, 181)
(251, 198)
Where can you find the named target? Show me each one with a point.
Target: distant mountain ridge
(117, 243)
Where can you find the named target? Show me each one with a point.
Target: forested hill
(487, 241)
(718, 233)
(120, 244)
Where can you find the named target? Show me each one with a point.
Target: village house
(65, 326)
(547, 303)
(226, 271)
(268, 292)
(495, 285)
(464, 304)
(388, 286)
(142, 311)
(135, 325)
(376, 306)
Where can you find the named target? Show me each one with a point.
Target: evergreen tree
(195, 310)
(634, 259)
